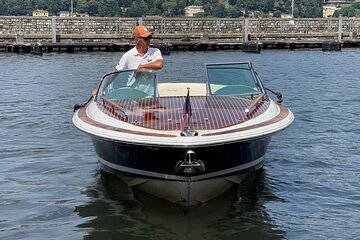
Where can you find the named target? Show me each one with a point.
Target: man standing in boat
(142, 56)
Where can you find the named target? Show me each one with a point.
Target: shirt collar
(136, 53)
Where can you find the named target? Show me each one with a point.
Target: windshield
(128, 84)
(232, 79)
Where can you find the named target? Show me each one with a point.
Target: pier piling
(251, 47)
(331, 46)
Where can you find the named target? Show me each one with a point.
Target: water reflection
(116, 212)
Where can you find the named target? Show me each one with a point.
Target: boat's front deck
(167, 113)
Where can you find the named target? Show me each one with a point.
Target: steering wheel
(126, 93)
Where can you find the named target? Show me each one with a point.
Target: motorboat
(184, 142)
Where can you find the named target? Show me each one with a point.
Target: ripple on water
(50, 187)
(22, 151)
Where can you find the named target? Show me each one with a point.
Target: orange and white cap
(141, 31)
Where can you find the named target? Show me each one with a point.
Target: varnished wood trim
(85, 118)
(115, 105)
(284, 112)
(252, 106)
(209, 113)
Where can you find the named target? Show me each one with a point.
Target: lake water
(51, 186)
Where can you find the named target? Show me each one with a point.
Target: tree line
(170, 8)
(352, 10)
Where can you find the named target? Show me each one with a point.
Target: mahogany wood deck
(166, 113)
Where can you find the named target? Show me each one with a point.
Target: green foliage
(352, 10)
(308, 9)
(25, 7)
(137, 8)
(219, 10)
(171, 8)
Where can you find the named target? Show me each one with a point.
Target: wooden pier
(167, 47)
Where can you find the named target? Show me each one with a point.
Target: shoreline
(168, 47)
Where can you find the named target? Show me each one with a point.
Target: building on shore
(72, 14)
(329, 10)
(77, 14)
(64, 14)
(40, 13)
(287, 16)
(190, 11)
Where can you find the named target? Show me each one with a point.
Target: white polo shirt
(132, 59)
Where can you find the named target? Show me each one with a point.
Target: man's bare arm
(158, 64)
